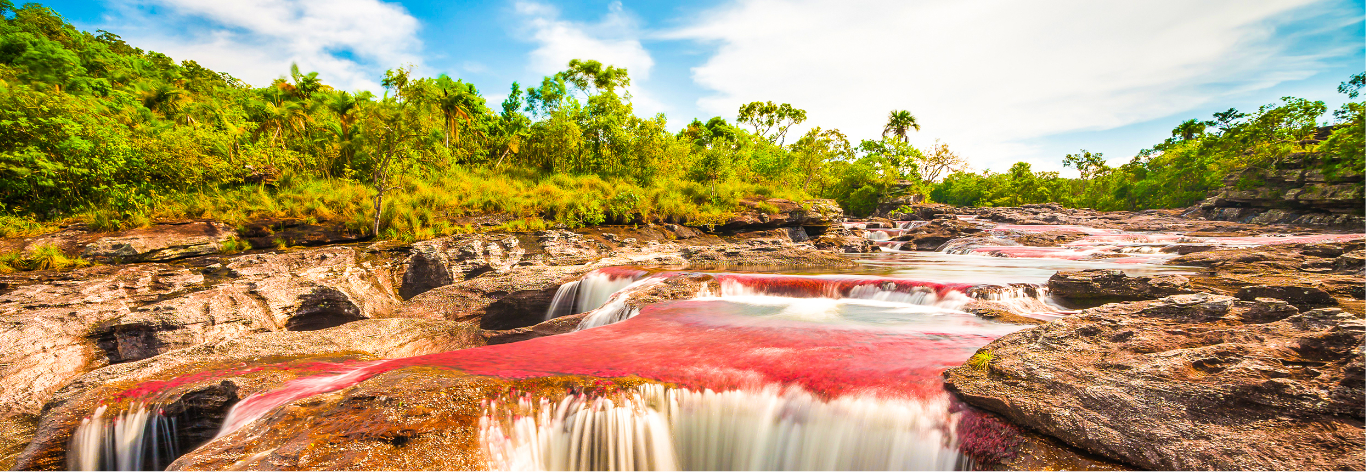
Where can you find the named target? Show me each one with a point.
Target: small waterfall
(142, 438)
(655, 428)
(563, 303)
(615, 308)
(971, 245)
(876, 235)
(1025, 299)
(949, 296)
(596, 288)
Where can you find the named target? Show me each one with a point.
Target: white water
(615, 308)
(660, 428)
(563, 303)
(139, 439)
(596, 288)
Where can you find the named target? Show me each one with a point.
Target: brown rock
(1298, 295)
(161, 242)
(1147, 384)
(1102, 284)
(930, 236)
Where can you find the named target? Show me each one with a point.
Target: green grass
(981, 361)
(423, 207)
(43, 257)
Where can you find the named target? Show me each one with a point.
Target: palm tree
(455, 100)
(898, 123)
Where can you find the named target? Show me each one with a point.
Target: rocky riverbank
(1257, 340)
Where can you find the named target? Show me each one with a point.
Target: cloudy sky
(1000, 81)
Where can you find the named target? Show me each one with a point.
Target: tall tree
(770, 120)
(899, 123)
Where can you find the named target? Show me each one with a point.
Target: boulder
(1110, 284)
(161, 242)
(1188, 383)
(929, 237)
(844, 240)
(1302, 296)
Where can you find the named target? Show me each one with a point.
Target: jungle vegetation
(97, 131)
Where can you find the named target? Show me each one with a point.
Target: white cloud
(614, 40)
(349, 42)
(988, 76)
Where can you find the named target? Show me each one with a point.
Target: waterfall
(563, 303)
(142, 438)
(596, 288)
(654, 427)
(1020, 298)
(615, 308)
(868, 288)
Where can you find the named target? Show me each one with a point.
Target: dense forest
(95, 130)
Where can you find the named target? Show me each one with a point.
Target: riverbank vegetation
(101, 132)
(1185, 168)
(97, 131)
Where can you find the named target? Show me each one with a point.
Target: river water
(790, 371)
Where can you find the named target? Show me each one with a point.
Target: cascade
(142, 438)
(596, 288)
(656, 427)
(869, 288)
(615, 308)
(1026, 299)
(563, 303)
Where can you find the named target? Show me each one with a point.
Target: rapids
(788, 371)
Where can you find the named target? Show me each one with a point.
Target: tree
(1352, 87)
(940, 161)
(1086, 162)
(768, 117)
(898, 123)
(1189, 129)
(816, 148)
(592, 76)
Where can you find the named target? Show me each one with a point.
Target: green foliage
(981, 361)
(42, 257)
(1185, 168)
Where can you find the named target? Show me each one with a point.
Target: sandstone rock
(437, 262)
(1354, 261)
(212, 395)
(499, 301)
(1300, 296)
(116, 314)
(1111, 284)
(161, 242)
(1172, 385)
(930, 236)
(841, 239)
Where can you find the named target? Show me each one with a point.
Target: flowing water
(791, 371)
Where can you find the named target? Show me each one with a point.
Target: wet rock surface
(1188, 382)
(931, 236)
(161, 243)
(1102, 284)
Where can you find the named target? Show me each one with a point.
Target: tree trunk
(379, 204)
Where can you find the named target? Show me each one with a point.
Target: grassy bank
(433, 205)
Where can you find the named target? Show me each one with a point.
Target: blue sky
(999, 81)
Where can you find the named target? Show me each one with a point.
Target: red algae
(832, 286)
(692, 344)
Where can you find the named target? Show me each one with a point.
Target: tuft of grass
(42, 257)
(233, 246)
(981, 361)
